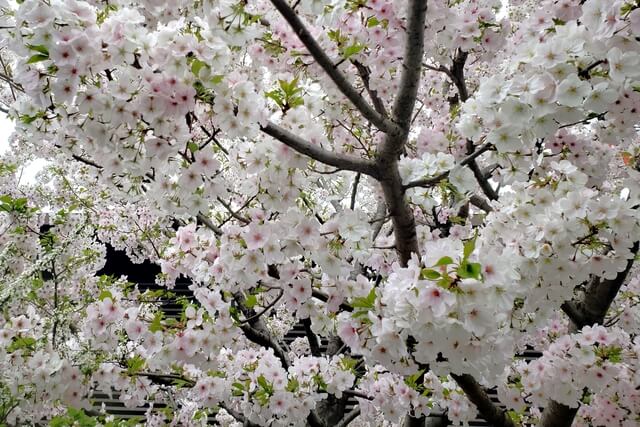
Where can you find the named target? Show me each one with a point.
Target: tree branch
(330, 158)
(404, 226)
(428, 182)
(354, 191)
(364, 73)
(332, 71)
(411, 64)
(484, 183)
(348, 418)
(589, 310)
(233, 213)
(488, 410)
(357, 394)
(480, 202)
(264, 310)
(324, 298)
(207, 223)
(314, 344)
(86, 161)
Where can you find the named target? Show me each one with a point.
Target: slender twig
(210, 225)
(233, 213)
(365, 74)
(584, 121)
(322, 297)
(264, 310)
(86, 161)
(429, 182)
(585, 73)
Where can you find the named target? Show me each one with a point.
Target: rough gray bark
(387, 162)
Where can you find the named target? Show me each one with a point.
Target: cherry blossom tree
(429, 187)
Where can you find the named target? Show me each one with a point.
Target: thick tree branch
(257, 333)
(332, 71)
(411, 64)
(481, 203)
(165, 379)
(357, 394)
(341, 161)
(456, 75)
(387, 162)
(348, 418)
(588, 310)
(476, 394)
(379, 219)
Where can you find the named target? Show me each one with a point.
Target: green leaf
(197, 65)
(251, 301)
(39, 48)
(412, 380)
(264, 384)
(237, 389)
(445, 260)
(38, 57)
(156, 324)
(276, 96)
(469, 247)
(105, 294)
(135, 364)
(614, 354)
(293, 385)
(193, 147)
(355, 48)
(22, 343)
(367, 302)
(180, 383)
(429, 274)
(470, 270)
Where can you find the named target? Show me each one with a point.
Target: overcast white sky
(31, 168)
(6, 127)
